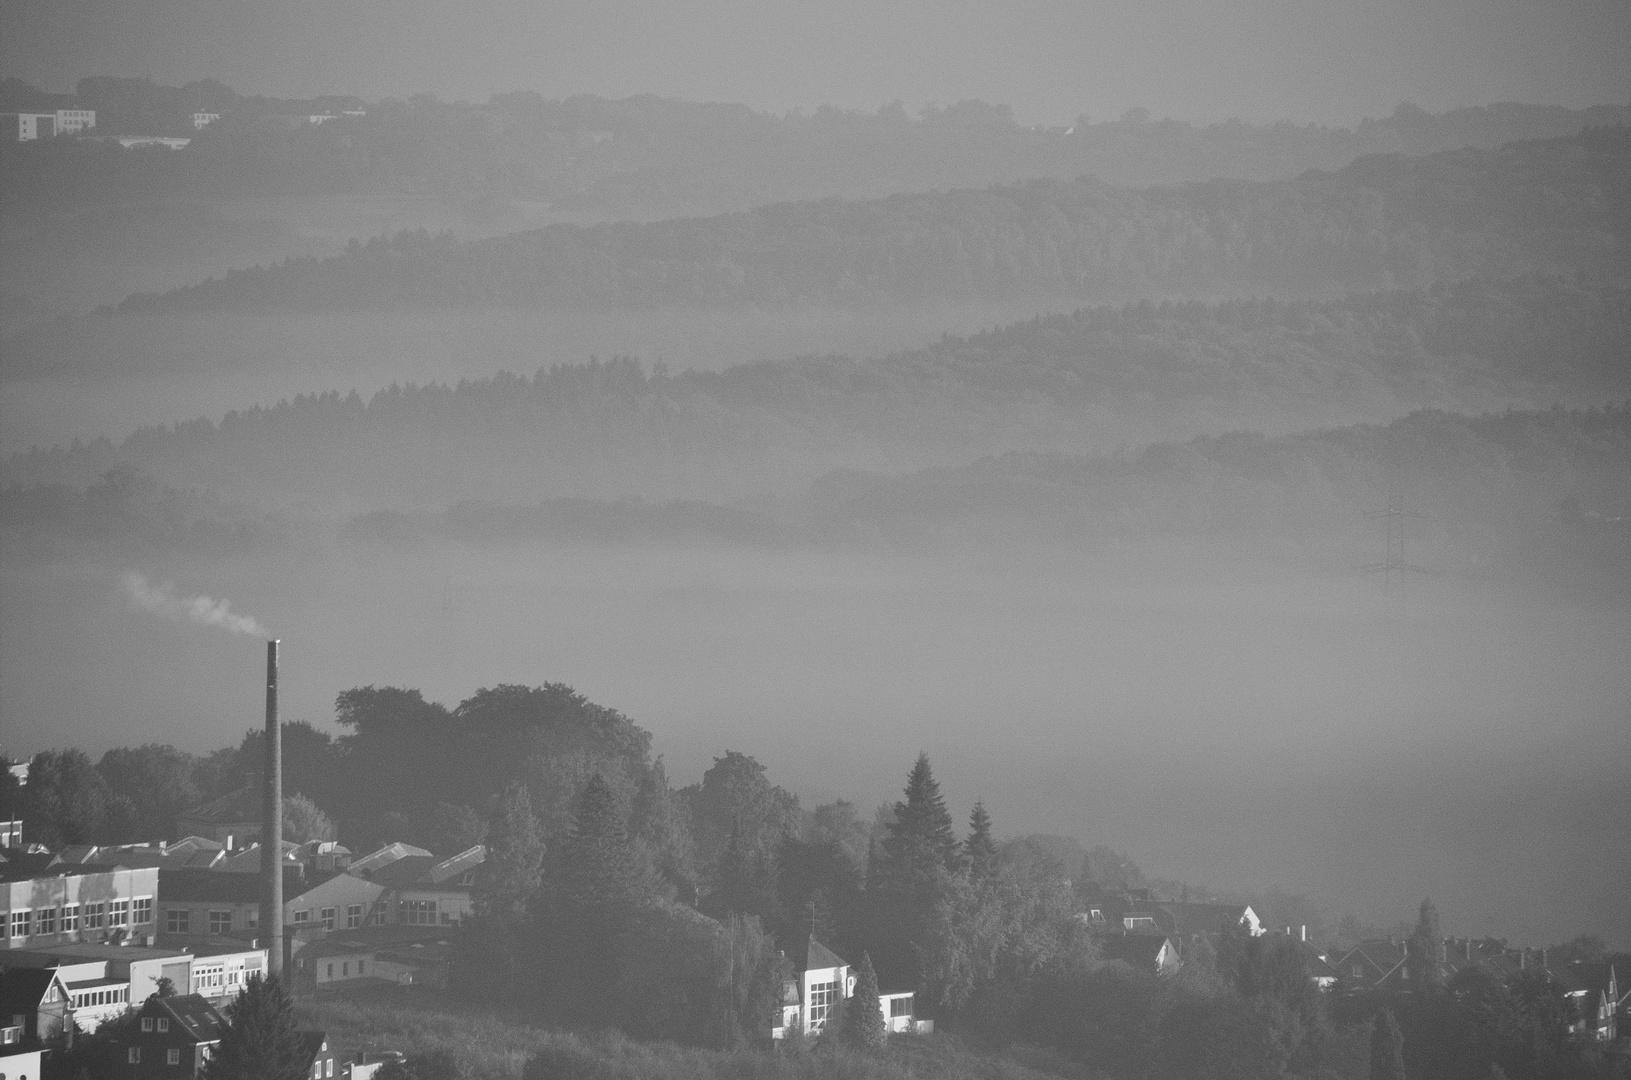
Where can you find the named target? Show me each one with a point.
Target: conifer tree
(863, 1017)
(979, 848)
(260, 1041)
(599, 866)
(920, 841)
(1386, 1048)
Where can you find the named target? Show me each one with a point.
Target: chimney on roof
(272, 823)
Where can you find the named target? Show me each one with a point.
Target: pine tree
(864, 1026)
(599, 866)
(980, 849)
(260, 1041)
(920, 841)
(1386, 1048)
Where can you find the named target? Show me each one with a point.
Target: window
(164, 1023)
(328, 1067)
(1139, 922)
(147, 1023)
(328, 918)
(901, 1006)
(120, 913)
(359, 967)
(1359, 971)
(220, 922)
(172, 1057)
(301, 918)
(141, 910)
(353, 916)
(416, 912)
(45, 922)
(19, 924)
(207, 980)
(175, 920)
(134, 1055)
(70, 918)
(821, 998)
(92, 915)
(345, 969)
(1096, 916)
(330, 974)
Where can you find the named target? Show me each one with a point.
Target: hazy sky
(1323, 60)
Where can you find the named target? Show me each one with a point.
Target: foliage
(863, 1022)
(304, 820)
(260, 1041)
(157, 781)
(66, 801)
(979, 848)
(1387, 1049)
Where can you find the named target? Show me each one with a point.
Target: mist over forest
(1247, 501)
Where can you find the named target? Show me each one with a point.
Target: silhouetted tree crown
(261, 1041)
(980, 849)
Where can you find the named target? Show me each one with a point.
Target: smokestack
(272, 824)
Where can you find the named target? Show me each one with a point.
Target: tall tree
(66, 801)
(513, 869)
(599, 867)
(1425, 949)
(920, 843)
(979, 848)
(1386, 1048)
(260, 1041)
(865, 1027)
(158, 781)
(304, 820)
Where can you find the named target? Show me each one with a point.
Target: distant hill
(649, 157)
(1102, 376)
(1561, 205)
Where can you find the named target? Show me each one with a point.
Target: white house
(822, 979)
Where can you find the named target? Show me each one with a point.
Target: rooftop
(234, 808)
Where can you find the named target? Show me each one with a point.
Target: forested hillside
(1088, 381)
(645, 156)
(1383, 223)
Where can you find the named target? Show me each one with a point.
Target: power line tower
(1393, 566)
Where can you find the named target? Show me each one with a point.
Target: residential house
(34, 1000)
(235, 818)
(322, 1063)
(425, 891)
(823, 978)
(73, 121)
(1154, 954)
(202, 120)
(172, 1037)
(1593, 993)
(44, 901)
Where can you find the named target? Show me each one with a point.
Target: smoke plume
(206, 611)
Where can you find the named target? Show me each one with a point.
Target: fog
(835, 384)
(1230, 724)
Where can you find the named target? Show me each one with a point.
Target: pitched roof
(211, 885)
(237, 807)
(22, 989)
(817, 956)
(199, 1020)
(408, 870)
(386, 855)
(311, 1044)
(1190, 919)
(373, 939)
(23, 865)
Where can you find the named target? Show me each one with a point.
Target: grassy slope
(495, 1043)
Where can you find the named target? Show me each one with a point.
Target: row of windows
(416, 912)
(345, 969)
(70, 918)
(179, 920)
(821, 999)
(113, 995)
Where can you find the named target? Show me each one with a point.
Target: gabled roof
(311, 1044)
(248, 861)
(403, 872)
(1191, 919)
(23, 989)
(386, 855)
(24, 865)
(200, 1021)
(241, 807)
(817, 956)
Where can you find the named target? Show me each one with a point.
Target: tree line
(1380, 223)
(648, 157)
